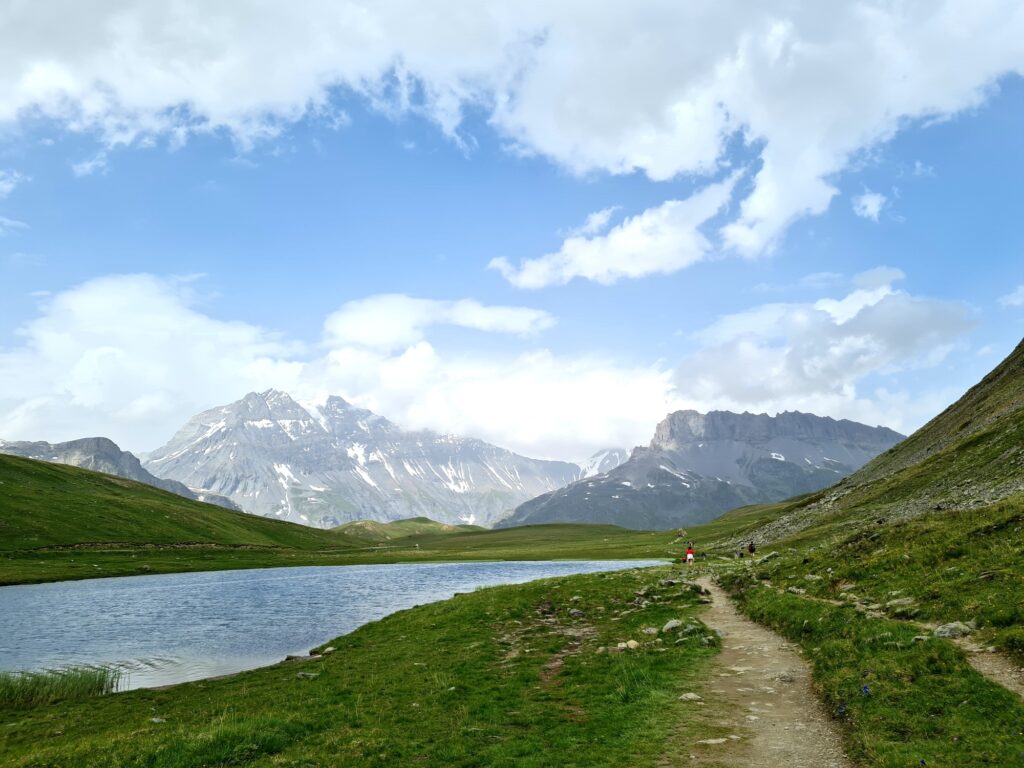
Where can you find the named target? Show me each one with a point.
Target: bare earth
(758, 708)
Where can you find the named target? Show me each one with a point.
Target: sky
(542, 224)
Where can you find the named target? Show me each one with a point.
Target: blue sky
(159, 256)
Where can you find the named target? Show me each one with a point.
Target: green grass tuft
(29, 689)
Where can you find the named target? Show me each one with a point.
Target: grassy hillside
(53, 505)
(59, 522)
(372, 531)
(968, 457)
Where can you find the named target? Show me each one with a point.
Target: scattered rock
(632, 645)
(953, 629)
(650, 630)
(576, 613)
(785, 677)
(601, 649)
(670, 625)
(328, 650)
(712, 741)
(812, 577)
(157, 720)
(575, 598)
(766, 558)
(307, 675)
(900, 602)
(796, 591)
(691, 697)
(291, 657)
(920, 638)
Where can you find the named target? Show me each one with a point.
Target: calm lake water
(176, 627)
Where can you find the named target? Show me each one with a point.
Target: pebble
(690, 697)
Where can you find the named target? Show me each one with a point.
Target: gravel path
(759, 708)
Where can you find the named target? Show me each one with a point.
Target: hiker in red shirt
(689, 554)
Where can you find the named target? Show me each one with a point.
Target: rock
(812, 577)
(157, 720)
(307, 675)
(920, 638)
(575, 598)
(632, 645)
(766, 558)
(576, 613)
(601, 649)
(953, 629)
(668, 582)
(796, 591)
(292, 657)
(328, 650)
(650, 630)
(622, 646)
(705, 600)
(690, 697)
(900, 602)
(712, 741)
(670, 625)
(785, 677)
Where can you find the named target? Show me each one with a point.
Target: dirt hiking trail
(758, 708)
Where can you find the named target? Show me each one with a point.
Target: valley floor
(589, 670)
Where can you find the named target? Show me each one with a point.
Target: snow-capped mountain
(701, 465)
(101, 454)
(330, 463)
(604, 461)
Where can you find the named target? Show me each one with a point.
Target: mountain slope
(604, 461)
(51, 505)
(327, 464)
(969, 456)
(698, 466)
(102, 455)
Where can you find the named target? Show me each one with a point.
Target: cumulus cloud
(815, 356)
(659, 240)
(390, 321)
(660, 88)
(132, 357)
(9, 180)
(1014, 298)
(869, 205)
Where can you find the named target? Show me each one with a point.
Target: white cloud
(132, 357)
(94, 164)
(815, 356)
(1014, 298)
(661, 88)
(7, 225)
(9, 180)
(869, 205)
(659, 240)
(390, 321)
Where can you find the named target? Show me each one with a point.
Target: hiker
(689, 554)
(751, 549)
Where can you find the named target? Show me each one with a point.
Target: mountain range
(325, 464)
(698, 466)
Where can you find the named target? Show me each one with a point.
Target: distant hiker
(689, 554)
(751, 549)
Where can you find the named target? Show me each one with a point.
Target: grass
(900, 702)
(29, 689)
(372, 531)
(500, 677)
(59, 522)
(955, 565)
